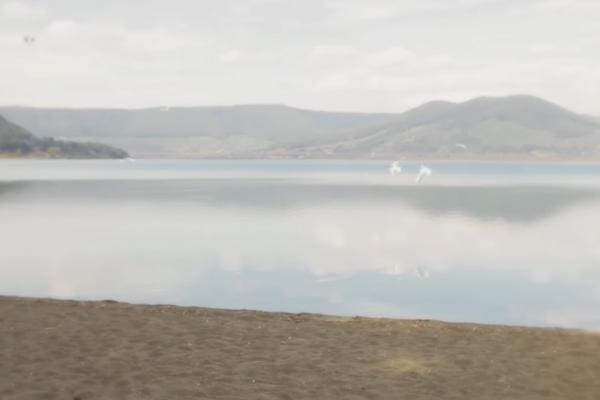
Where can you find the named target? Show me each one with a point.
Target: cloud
(359, 12)
(373, 12)
(417, 77)
(395, 68)
(68, 35)
(559, 4)
(21, 11)
(230, 56)
(331, 54)
(391, 56)
(332, 82)
(333, 51)
(543, 48)
(159, 40)
(388, 240)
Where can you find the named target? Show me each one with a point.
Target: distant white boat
(424, 172)
(461, 146)
(395, 168)
(130, 159)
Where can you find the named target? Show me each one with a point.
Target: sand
(51, 349)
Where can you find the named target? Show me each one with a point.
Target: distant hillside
(253, 130)
(514, 126)
(18, 142)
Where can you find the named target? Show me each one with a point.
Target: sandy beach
(54, 349)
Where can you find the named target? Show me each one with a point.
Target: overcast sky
(354, 55)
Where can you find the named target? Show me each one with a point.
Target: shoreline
(57, 349)
(558, 159)
(283, 314)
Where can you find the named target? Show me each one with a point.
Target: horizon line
(167, 107)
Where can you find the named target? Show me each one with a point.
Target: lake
(488, 242)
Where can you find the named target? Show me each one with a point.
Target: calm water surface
(515, 243)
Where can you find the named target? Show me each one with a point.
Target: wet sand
(51, 349)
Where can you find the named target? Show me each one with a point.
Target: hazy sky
(354, 55)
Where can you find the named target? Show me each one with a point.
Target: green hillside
(15, 141)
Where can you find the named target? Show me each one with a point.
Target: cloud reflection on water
(146, 251)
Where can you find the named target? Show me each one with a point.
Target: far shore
(424, 159)
(58, 349)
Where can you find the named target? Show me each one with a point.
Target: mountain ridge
(520, 125)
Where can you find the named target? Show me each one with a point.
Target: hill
(513, 127)
(15, 141)
(245, 130)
